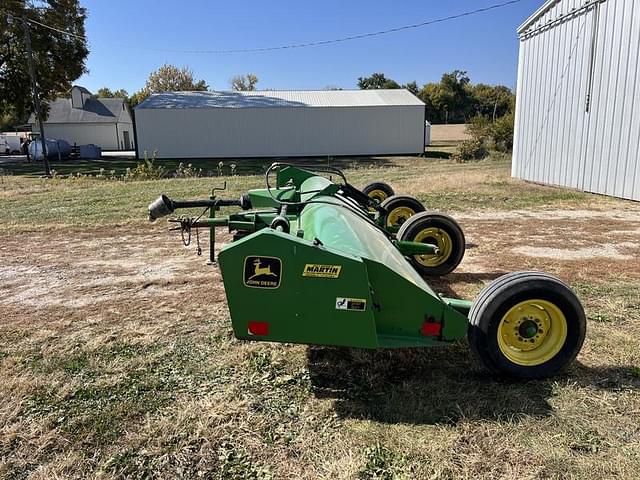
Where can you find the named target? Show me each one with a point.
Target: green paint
(415, 248)
(373, 298)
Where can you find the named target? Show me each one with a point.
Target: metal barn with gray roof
(291, 123)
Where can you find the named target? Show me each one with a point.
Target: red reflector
(258, 328)
(431, 329)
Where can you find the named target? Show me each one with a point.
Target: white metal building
(84, 119)
(578, 97)
(280, 123)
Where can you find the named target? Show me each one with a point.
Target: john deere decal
(262, 272)
(321, 271)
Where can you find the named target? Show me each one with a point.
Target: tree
(59, 59)
(168, 78)
(138, 97)
(376, 81)
(492, 101)
(243, 83)
(457, 96)
(412, 87)
(105, 92)
(451, 100)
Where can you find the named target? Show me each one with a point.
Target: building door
(127, 141)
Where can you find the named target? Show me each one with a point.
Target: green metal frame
(337, 277)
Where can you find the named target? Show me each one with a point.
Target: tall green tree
(59, 59)
(493, 101)
(456, 100)
(377, 81)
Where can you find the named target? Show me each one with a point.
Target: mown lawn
(118, 361)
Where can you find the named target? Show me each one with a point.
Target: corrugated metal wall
(280, 132)
(578, 98)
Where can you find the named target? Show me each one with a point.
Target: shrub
(146, 170)
(486, 136)
(479, 128)
(502, 133)
(470, 150)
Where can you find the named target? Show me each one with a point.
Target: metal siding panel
(521, 93)
(537, 156)
(607, 175)
(604, 105)
(264, 132)
(597, 151)
(555, 156)
(595, 112)
(630, 181)
(619, 139)
(580, 138)
(571, 132)
(552, 67)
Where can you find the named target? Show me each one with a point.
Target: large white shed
(578, 97)
(280, 123)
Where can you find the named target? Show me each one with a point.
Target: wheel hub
(439, 238)
(532, 332)
(378, 195)
(399, 215)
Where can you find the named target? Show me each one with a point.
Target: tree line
(455, 99)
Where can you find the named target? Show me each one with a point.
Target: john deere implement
(314, 260)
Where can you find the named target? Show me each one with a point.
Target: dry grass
(117, 357)
(449, 133)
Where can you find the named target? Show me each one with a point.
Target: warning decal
(356, 304)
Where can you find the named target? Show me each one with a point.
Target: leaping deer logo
(258, 270)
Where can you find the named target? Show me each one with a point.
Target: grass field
(117, 359)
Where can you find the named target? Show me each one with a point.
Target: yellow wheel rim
(378, 195)
(532, 332)
(439, 238)
(399, 215)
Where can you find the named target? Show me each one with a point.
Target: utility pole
(36, 95)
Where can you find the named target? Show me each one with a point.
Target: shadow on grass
(438, 385)
(209, 166)
(437, 154)
(443, 285)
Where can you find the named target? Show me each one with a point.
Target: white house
(290, 123)
(578, 97)
(84, 119)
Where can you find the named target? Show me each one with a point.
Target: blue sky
(125, 37)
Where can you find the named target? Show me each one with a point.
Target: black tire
(378, 190)
(449, 234)
(500, 297)
(399, 203)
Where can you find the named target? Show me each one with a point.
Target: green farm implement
(315, 260)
